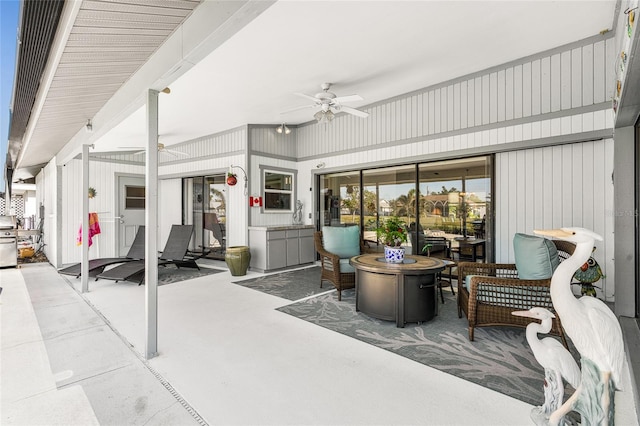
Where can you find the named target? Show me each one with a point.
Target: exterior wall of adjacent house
(547, 118)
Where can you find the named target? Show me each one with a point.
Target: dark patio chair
(96, 266)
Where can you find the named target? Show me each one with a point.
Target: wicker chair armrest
(503, 270)
(512, 293)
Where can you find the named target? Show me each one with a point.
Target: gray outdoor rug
(294, 285)
(499, 358)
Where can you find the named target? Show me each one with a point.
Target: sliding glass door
(442, 199)
(204, 207)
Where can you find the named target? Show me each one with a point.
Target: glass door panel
(340, 199)
(455, 201)
(389, 192)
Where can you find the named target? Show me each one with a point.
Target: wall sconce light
(283, 129)
(89, 127)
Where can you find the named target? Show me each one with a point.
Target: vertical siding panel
(538, 189)
(589, 166)
(576, 78)
(567, 187)
(556, 83)
(526, 89)
(521, 191)
(610, 63)
(501, 95)
(443, 108)
(517, 91)
(529, 188)
(432, 112)
(547, 182)
(438, 110)
(414, 116)
(599, 72)
(577, 185)
(463, 105)
(557, 169)
(471, 90)
(545, 85)
(565, 80)
(587, 75)
(450, 108)
(455, 104)
(509, 93)
(536, 83)
(420, 114)
(486, 99)
(493, 97)
(478, 101)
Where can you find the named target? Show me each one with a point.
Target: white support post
(84, 267)
(151, 224)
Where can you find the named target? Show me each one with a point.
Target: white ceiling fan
(330, 104)
(162, 149)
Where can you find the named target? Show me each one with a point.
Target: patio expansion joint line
(192, 411)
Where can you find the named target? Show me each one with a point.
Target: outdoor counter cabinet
(279, 247)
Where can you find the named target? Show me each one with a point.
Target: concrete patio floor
(226, 356)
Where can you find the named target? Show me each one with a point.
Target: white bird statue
(558, 363)
(593, 329)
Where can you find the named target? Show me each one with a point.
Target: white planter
(394, 254)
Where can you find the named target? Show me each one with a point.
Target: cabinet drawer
(276, 235)
(307, 232)
(292, 233)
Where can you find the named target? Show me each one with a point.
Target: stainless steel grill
(8, 241)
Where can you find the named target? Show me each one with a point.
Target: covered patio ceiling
(377, 49)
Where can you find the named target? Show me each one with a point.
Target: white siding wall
(539, 90)
(102, 178)
(553, 187)
(47, 193)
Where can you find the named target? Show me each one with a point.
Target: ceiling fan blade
(298, 108)
(354, 111)
(312, 98)
(348, 98)
(174, 152)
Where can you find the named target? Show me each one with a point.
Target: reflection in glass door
(204, 207)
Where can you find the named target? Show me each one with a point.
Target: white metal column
(84, 267)
(151, 224)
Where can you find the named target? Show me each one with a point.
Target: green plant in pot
(392, 233)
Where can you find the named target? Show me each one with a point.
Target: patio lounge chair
(489, 292)
(96, 266)
(175, 252)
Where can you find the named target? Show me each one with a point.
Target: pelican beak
(556, 233)
(526, 314)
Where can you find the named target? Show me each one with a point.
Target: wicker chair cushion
(536, 257)
(345, 267)
(343, 241)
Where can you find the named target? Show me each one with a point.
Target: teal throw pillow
(343, 241)
(536, 257)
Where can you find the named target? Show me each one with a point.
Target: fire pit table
(401, 292)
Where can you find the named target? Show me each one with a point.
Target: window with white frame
(278, 187)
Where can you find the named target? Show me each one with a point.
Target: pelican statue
(593, 329)
(558, 363)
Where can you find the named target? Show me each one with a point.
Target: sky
(9, 11)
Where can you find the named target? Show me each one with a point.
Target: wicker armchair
(330, 266)
(495, 291)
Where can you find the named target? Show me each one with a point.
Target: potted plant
(392, 233)
(232, 179)
(92, 192)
